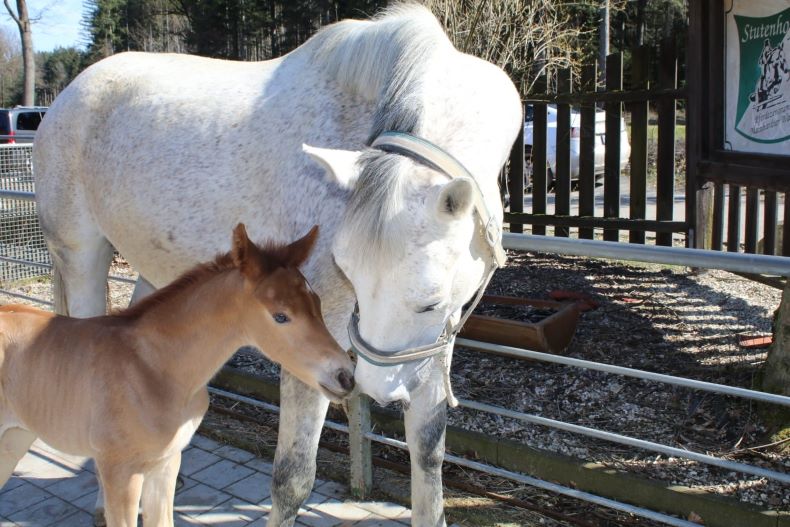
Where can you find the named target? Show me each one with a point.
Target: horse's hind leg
(142, 288)
(301, 420)
(159, 488)
(80, 272)
(14, 443)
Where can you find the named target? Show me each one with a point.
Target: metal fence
(25, 251)
(21, 240)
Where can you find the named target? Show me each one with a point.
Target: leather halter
(434, 157)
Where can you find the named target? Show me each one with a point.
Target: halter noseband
(433, 157)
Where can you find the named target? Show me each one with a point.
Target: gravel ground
(667, 320)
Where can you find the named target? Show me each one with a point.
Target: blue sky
(59, 24)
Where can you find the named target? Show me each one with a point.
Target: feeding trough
(538, 325)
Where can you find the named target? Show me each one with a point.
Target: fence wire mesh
(20, 234)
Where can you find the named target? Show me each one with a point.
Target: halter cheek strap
(434, 157)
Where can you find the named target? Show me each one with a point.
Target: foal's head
(290, 329)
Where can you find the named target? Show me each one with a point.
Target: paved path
(222, 486)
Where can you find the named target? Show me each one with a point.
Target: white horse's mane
(382, 60)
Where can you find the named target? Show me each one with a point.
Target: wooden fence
(651, 82)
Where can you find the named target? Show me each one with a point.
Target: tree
(56, 69)
(22, 19)
(10, 67)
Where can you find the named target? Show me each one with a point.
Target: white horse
(159, 155)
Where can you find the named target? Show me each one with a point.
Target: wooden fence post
(515, 180)
(665, 180)
(640, 60)
(587, 140)
(562, 172)
(359, 446)
(538, 156)
(611, 178)
(703, 227)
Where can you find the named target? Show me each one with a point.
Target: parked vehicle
(19, 124)
(551, 143)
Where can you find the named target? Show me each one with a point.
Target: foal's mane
(270, 257)
(384, 60)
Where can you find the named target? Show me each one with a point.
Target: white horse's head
(410, 245)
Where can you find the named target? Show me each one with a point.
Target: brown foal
(129, 389)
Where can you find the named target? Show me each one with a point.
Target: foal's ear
(299, 250)
(244, 253)
(240, 248)
(340, 165)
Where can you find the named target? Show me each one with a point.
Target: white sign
(757, 74)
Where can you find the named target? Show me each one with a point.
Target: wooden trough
(551, 334)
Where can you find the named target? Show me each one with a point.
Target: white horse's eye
(428, 308)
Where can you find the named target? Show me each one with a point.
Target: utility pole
(603, 42)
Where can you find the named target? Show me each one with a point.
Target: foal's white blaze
(440, 267)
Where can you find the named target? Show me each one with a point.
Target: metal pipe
(26, 297)
(736, 262)
(628, 372)
(49, 267)
(18, 195)
(630, 441)
(488, 469)
(338, 427)
(17, 261)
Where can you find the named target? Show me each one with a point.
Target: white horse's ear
(340, 165)
(455, 199)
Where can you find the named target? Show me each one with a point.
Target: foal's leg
(122, 486)
(14, 443)
(426, 420)
(301, 418)
(159, 488)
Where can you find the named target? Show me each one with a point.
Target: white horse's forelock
(371, 216)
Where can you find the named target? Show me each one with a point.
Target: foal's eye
(280, 318)
(425, 309)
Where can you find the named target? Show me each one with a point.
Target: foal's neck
(190, 335)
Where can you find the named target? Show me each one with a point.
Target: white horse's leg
(14, 443)
(426, 420)
(142, 288)
(302, 414)
(80, 279)
(159, 488)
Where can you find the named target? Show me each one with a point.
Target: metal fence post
(361, 461)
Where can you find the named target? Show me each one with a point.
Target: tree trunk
(777, 368)
(22, 20)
